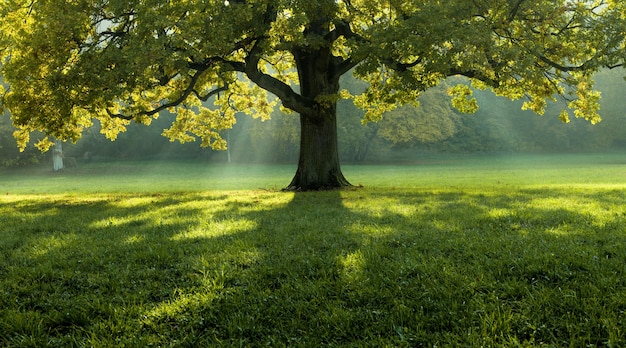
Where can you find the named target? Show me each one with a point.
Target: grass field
(491, 251)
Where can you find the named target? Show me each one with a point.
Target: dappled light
(46, 245)
(258, 267)
(213, 229)
(353, 266)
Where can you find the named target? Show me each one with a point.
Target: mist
(433, 130)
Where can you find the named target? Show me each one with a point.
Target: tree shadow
(326, 268)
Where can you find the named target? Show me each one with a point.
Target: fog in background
(405, 135)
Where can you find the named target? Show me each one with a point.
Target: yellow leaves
(537, 105)
(480, 85)
(587, 105)
(178, 130)
(447, 45)
(288, 27)
(112, 127)
(284, 110)
(345, 94)
(2, 91)
(388, 89)
(340, 48)
(202, 123)
(462, 98)
(327, 100)
(248, 98)
(44, 144)
(22, 136)
(281, 66)
(374, 108)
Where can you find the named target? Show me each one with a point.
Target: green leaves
(68, 63)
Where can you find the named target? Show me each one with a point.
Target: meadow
(450, 251)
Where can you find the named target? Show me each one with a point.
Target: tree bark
(57, 156)
(318, 72)
(318, 164)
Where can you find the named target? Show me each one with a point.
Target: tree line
(499, 125)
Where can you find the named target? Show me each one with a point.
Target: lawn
(491, 251)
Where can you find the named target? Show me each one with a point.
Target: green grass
(464, 252)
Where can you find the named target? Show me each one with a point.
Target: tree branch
(284, 92)
(514, 10)
(473, 74)
(210, 93)
(340, 65)
(564, 68)
(188, 91)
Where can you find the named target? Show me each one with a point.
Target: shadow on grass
(330, 268)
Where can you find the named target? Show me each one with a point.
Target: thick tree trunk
(318, 165)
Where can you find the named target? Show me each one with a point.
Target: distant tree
(57, 156)
(612, 130)
(275, 139)
(489, 129)
(10, 156)
(69, 62)
(356, 140)
(432, 121)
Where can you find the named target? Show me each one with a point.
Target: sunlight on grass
(132, 201)
(353, 267)
(176, 310)
(51, 243)
(375, 230)
(456, 260)
(134, 239)
(498, 213)
(216, 229)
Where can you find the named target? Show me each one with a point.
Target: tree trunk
(57, 156)
(318, 165)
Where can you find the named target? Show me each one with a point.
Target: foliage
(432, 121)
(500, 125)
(10, 156)
(68, 63)
(443, 257)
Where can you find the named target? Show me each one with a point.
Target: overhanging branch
(564, 68)
(186, 93)
(341, 65)
(514, 10)
(283, 91)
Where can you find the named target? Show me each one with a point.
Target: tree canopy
(67, 63)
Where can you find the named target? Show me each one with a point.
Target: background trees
(10, 156)
(499, 125)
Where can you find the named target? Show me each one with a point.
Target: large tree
(68, 62)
